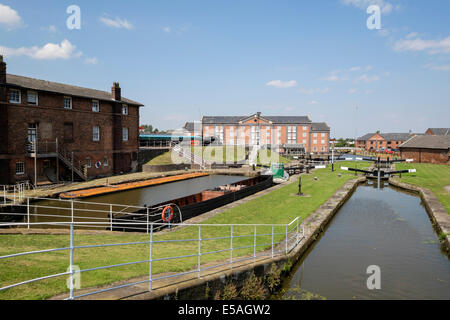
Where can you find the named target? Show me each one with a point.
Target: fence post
(199, 248)
(254, 246)
(231, 248)
(71, 262)
(272, 240)
(286, 239)
(303, 230)
(14, 195)
(297, 231)
(28, 212)
(110, 217)
(4, 194)
(150, 281)
(147, 220)
(71, 209)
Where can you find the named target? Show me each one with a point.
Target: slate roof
(440, 131)
(49, 86)
(428, 142)
(274, 119)
(387, 136)
(319, 126)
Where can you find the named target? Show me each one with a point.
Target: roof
(428, 142)
(387, 136)
(440, 131)
(273, 119)
(190, 126)
(319, 126)
(48, 86)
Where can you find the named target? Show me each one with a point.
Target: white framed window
(95, 106)
(304, 134)
(304, 141)
(125, 134)
(292, 135)
(315, 148)
(323, 149)
(315, 142)
(67, 102)
(124, 109)
(96, 133)
(218, 132)
(324, 134)
(20, 168)
(105, 162)
(14, 96)
(323, 141)
(315, 135)
(32, 98)
(304, 128)
(88, 163)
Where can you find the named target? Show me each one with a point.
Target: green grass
(431, 176)
(277, 207)
(218, 154)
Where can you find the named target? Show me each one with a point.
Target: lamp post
(300, 186)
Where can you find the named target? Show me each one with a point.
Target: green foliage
(272, 279)
(253, 289)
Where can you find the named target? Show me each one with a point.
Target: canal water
(384, 227)
(148, 196)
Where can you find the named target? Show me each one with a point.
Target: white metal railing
(283, 239)
(14, 194)
(188, 155)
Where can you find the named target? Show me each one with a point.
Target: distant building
(289, 133)
(85, 131)
(381, 141)
(427, 149)
(438, 131)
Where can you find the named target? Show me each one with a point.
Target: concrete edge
(436, 211)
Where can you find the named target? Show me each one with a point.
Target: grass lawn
(277, 207)
(218, 154)
(431, 176)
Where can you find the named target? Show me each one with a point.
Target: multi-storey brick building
(47, 126)
(287, 132)
(380, 141)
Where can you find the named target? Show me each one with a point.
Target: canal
(385, 227)
(54, 210)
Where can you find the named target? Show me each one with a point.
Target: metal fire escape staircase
(50, 149)
(188, 155)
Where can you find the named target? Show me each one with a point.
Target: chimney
(2, 70)
(115, 92)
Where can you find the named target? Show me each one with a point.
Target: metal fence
(244, 242)
(13, 194)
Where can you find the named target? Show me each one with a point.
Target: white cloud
(438, 68)
(116, 23)
(352, 91)
(313, 102)
(385, 6)
(64, 50)
(411, 35)
(355, 69)
(281, 84)
(9, 17)
(367, 79)
(92, 60)
(332, 77)
(167, 29)
(430, 46)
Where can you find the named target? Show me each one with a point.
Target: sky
(185, 59)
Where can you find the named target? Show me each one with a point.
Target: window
(323, 141)
(124, 109)
(304, 141)
(315, 141)
(323, 149)
(304, 134)
(96, 133)
(88, 163)
(125, 134)
(105, 162)
(315, 135)
(20, 168)
(67, 102)
(95, 106)
(304, 128)
(14, 96)
(32, 98)
(323, 135)
(292, 135)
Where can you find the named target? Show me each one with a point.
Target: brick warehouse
(77, 131)
(288, 132)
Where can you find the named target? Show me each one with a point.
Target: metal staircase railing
(188, 155)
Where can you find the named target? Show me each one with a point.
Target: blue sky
(185, 59)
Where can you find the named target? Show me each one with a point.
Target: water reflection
(382, 227)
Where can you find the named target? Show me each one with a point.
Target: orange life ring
(163, 215)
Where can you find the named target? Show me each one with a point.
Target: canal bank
(436, 211)
(192, 287)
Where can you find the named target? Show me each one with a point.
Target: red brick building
(287, 132)
(381, 141)
(427, 149)
(438, 131)
(47, 126)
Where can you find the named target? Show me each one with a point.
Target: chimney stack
(115, 91)
(2, 70)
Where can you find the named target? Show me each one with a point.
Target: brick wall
(426, 155)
